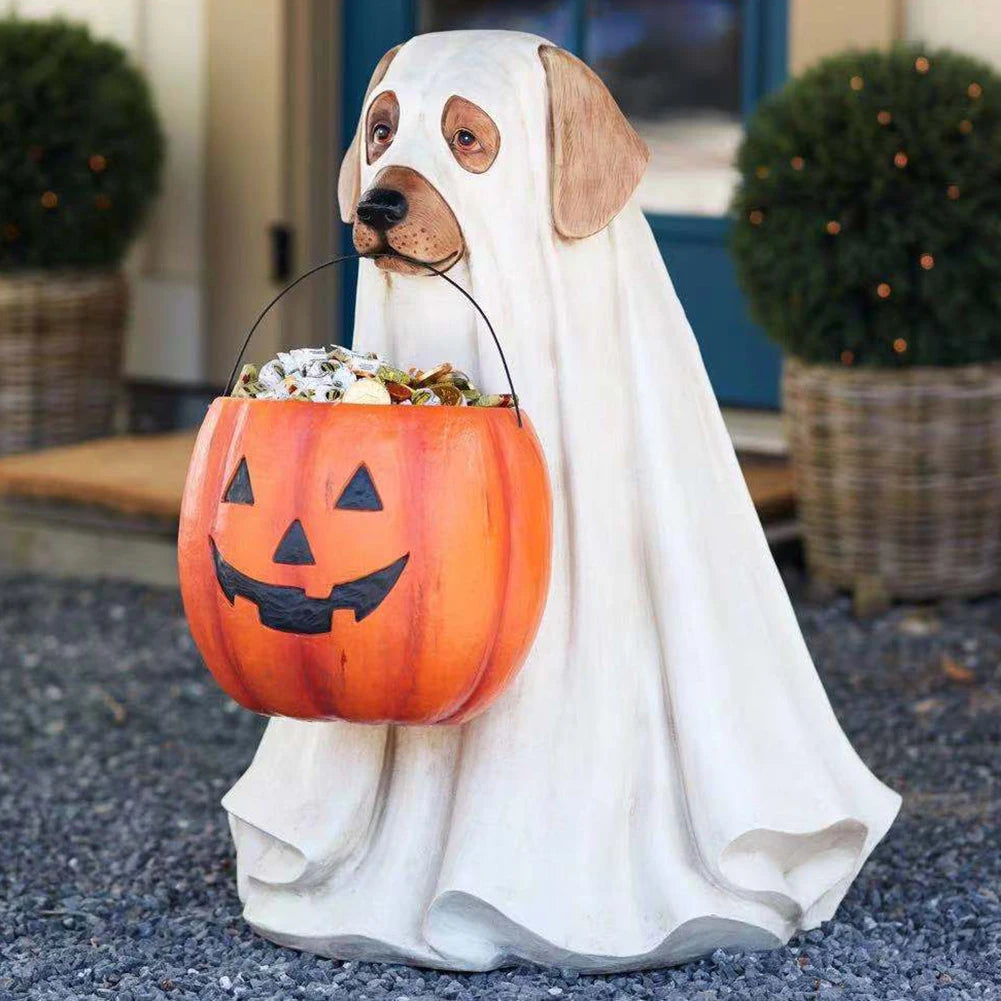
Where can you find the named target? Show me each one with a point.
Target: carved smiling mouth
(290, 610)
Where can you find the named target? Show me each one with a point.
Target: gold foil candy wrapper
(432, 375)
(458, 379)
(387, 373)
(448, 394)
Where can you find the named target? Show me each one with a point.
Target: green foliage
(884, 247)
(80, 147)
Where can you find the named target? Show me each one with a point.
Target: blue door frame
(743, 365)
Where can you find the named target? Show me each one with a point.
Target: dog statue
(666, 776)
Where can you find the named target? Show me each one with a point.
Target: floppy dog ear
(349, 179)
(596, 158)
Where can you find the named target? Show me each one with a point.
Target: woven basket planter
(61, 339)
(898, 476)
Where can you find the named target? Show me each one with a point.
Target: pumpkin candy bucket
(378, 564)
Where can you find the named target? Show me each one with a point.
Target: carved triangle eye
(360, 493)
(239, 490)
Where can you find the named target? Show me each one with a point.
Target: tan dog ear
(596, 158)
(349, 179)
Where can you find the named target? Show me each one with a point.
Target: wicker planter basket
(60, 356)
(898, 476)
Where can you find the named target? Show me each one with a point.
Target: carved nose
(294, 547)
(382, 208)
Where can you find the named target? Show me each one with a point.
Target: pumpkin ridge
(317, 678)
(237, 425)
(228, 423)
(498, 454)
(412, 468)
(521, 452)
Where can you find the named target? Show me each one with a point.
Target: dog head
(596, 160)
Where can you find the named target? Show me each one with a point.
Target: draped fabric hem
(465, 930)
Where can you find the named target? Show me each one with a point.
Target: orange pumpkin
(367, 563)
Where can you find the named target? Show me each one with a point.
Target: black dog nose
(382, 208)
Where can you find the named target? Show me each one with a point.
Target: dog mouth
(289, 609)
(396, 262)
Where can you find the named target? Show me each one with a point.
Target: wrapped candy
(340, 375)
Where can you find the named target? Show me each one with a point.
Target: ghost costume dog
(666, 775)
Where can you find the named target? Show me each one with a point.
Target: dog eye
(465, 140)
(470, 134)
(382, 133)
(360, 493)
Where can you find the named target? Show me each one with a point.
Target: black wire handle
(354, 257)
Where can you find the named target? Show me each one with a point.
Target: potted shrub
(80, 159)
(868, 240)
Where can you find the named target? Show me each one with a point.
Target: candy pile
(344, 376)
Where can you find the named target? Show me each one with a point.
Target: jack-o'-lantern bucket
(378, 564)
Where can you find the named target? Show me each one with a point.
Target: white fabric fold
(666, 775)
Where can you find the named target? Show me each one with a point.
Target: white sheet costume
(666, 775)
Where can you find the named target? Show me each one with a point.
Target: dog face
(595, 157)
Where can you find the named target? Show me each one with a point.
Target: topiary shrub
(868, 215)
(80, 147)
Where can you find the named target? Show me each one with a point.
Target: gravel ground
(116, 871)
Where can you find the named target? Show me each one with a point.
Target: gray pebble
(118, 871)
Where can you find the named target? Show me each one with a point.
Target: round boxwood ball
(80, 147)
(867, 224)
